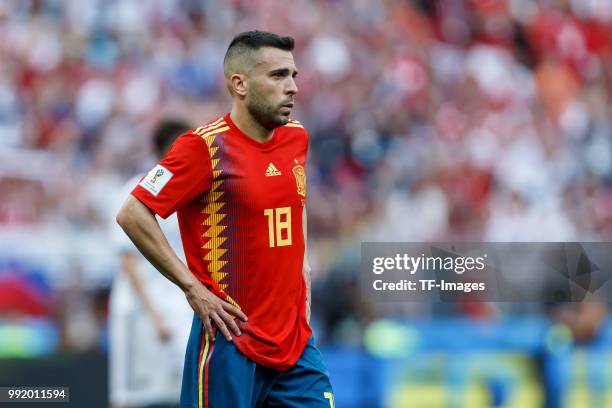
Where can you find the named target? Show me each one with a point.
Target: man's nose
(292, 88)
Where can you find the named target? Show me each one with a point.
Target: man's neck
(249, 126)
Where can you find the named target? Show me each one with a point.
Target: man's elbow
(124, 215)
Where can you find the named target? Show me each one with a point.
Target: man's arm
(129, 266)
(306, 266)
(139, 223)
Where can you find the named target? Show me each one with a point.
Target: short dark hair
(257, 39)
(165, 133)
(249, 41)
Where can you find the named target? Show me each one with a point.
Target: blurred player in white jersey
(149, 316)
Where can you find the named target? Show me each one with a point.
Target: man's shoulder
(295, 128)
(292, 123)
(211, 128)
(200, 137)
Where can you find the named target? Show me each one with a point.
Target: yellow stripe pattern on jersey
(214, 206)
(294, 123)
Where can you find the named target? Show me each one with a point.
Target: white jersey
(144, 370)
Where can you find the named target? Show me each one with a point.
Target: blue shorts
(217, 375)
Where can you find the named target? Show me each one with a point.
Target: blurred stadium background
(480, 120)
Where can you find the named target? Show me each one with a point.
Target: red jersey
(239, 205)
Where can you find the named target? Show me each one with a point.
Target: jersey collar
(250, 140)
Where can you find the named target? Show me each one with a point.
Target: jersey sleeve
(181, 176)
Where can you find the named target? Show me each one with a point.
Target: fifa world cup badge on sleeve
(156, 179)
(300, 180)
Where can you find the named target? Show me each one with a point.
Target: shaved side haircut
(241, 53)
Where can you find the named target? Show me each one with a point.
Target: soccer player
(238, 185)
(149, 318)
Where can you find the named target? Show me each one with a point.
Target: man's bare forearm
(140, 225)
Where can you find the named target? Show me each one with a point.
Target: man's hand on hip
(210, 307)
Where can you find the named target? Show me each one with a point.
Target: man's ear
(238, 82)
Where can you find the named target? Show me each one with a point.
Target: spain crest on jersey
(300, 180)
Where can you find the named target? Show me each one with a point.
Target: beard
(265, 114)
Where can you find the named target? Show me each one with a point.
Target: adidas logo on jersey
(272, 171)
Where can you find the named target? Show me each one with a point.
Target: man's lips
(287, 106)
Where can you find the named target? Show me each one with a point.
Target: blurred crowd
(480, 120)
